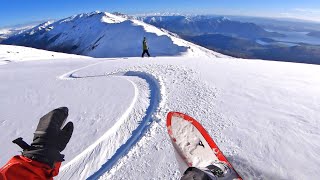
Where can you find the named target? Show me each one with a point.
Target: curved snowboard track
(100, 153)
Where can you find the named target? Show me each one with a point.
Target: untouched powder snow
(263, 115)
(9, 53)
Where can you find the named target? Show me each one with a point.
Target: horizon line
(292, 19)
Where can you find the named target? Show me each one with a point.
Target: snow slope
(101, 34)
(9, 53)
(263, 115)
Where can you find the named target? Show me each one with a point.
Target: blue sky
(23, 11)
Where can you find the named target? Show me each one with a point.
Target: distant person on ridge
(145, 47)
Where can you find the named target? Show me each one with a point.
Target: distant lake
(296, 37)
(289, 44)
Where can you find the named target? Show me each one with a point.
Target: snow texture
(263, 115)
(9, 53)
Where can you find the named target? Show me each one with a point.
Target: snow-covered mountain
(100, 34)
(7, 32)
(202, 24)
(4, 33)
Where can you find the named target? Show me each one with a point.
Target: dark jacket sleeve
(20, 167)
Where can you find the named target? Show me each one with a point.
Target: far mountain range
(246, 37)
(242, 37)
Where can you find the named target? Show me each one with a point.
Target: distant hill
(197, 25)
(245, 48)
(10, 31)
(314, 34)
(238, 38)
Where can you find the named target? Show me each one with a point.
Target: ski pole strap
(20, 142)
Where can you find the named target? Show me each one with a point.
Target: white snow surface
(263, 115)
(9, 53)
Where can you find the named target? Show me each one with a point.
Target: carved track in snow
(105, 152)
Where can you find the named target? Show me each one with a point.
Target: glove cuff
(45, 155)
(41, 153)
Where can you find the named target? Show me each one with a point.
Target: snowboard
(194, 147)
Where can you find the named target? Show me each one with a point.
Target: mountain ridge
(101, 34)
(201, 24)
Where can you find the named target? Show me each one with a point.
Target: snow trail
(88, 157)
(155, 99)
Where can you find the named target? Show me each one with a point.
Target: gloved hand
(49, 138)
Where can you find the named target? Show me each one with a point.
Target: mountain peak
(103, 16)
(102, 34)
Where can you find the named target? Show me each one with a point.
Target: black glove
(49, 139)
